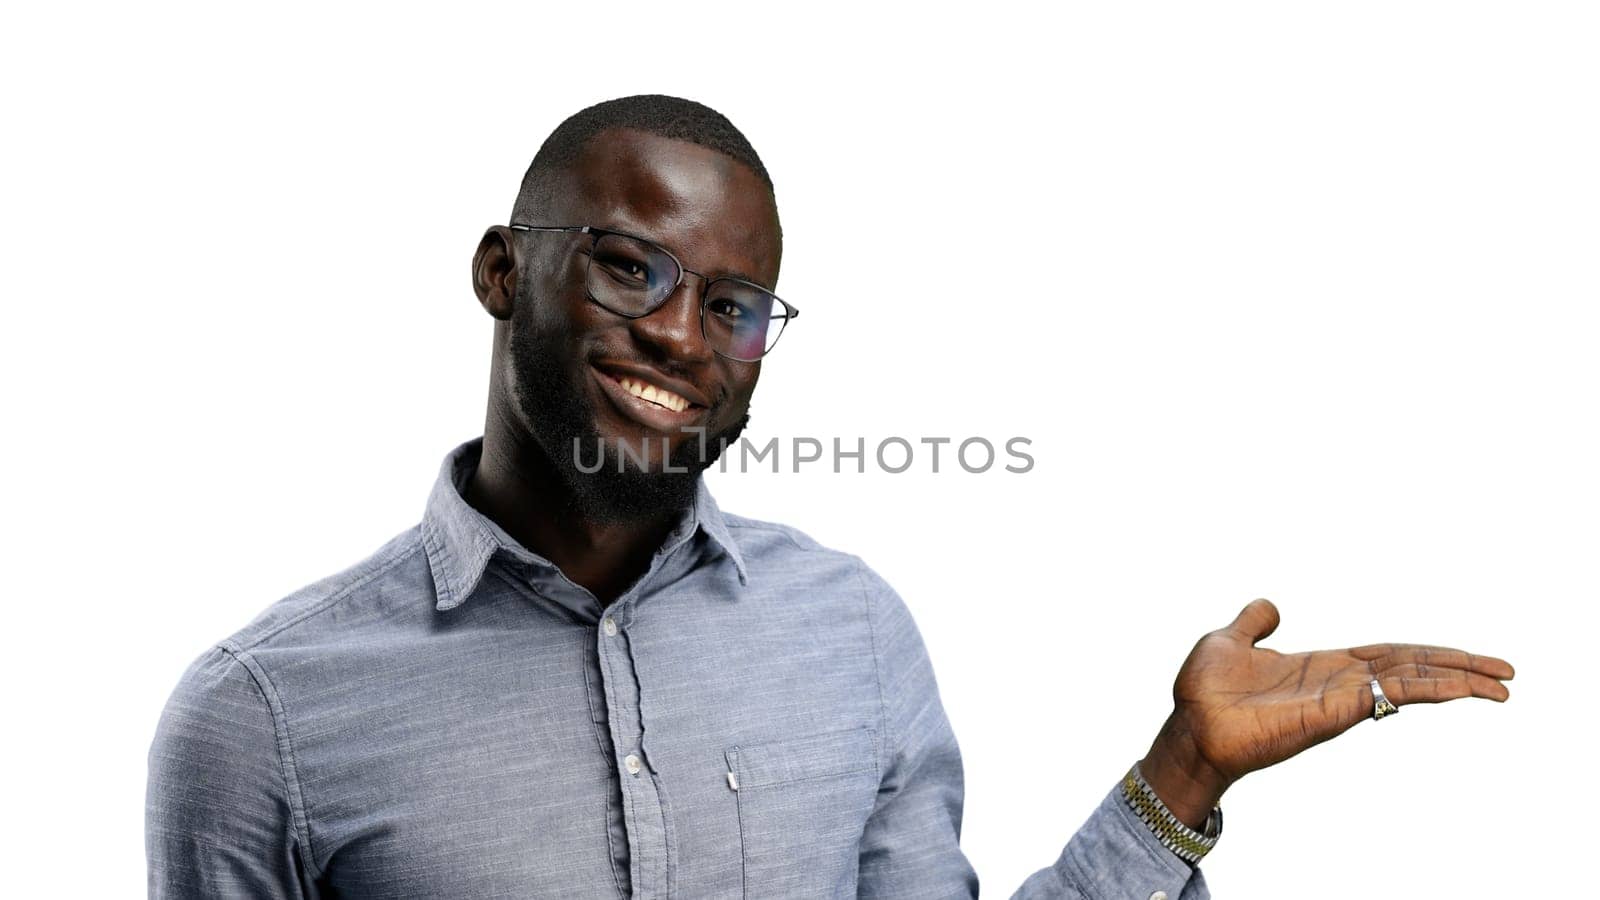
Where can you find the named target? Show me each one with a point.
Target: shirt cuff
(1115, 851)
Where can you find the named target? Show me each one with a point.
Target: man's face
(573, 361)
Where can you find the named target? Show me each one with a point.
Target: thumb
(1258, 619)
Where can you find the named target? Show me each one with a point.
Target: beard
(550, 394)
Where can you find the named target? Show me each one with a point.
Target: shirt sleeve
(218, 821)
(911, 845)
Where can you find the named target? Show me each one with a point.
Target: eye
(727, 310)
(624, 268)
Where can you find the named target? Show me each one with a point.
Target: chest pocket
(803, 804)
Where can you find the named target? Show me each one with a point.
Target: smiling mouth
(647, 403)
(650, 393)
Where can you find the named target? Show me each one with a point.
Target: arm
(1237, 708)
(911, 845)
(218, 820)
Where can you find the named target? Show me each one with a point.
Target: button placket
(644, 817)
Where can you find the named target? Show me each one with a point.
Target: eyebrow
(740, 276)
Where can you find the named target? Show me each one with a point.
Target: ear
(494, 271)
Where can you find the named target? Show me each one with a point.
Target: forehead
(711, 210)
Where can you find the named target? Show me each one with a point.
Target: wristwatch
(1185, 843)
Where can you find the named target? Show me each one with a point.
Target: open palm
(1248, 707)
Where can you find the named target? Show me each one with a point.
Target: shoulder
(225, 713)
(215, 760)
(844, 588)
(226, 683)
(787, 549)
(759, 534)
(215, 687)
(228, 692)
(773, 547)
(221, 795)
(396, 573)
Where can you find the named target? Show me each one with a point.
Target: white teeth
(653, 394)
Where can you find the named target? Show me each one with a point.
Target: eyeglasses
(633, 277)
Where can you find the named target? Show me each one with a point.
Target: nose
(673, 329)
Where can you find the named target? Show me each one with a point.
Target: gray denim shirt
(453, 717)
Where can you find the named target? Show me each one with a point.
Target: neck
(517, 487)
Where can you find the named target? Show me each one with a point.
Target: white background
(1293, 301)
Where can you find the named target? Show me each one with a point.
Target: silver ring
(1380, 704)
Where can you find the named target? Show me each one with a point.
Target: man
(576, 677)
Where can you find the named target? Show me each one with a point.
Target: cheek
(587, 319)
(561, 320)
(557, 306)
(741, 380)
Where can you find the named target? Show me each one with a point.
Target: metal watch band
(1186, 843)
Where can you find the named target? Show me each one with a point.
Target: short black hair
(658, 114)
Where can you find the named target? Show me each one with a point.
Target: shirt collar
(459, 540)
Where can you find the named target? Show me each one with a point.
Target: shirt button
(632, 762)
(1159, 895)
(610, 626)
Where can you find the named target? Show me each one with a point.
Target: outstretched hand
(1239, 707)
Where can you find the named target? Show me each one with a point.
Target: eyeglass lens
(633, 278)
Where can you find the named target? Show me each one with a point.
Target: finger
(1383, 656)
(1445, 657)
(1403, 688)
(1258, 619)
(1425, 671)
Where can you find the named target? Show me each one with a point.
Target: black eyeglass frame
(789, 310)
